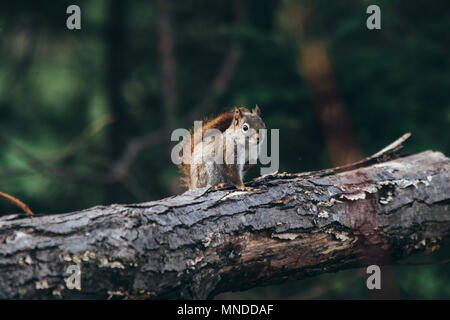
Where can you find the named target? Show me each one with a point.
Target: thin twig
(83, 138)
(394, 146)
(17, 202)
(382, 155)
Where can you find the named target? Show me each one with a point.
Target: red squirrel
(238, 129)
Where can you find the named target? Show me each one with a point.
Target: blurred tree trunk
(331, 112)
(168, 65)
(115, 48)
(314, 64)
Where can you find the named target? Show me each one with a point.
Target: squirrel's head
(248, 123)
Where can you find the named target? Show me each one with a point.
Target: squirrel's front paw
(244, 188)
(219, 185)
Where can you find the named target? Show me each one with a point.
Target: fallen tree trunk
(204, 242)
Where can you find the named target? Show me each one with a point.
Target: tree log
(206, 241)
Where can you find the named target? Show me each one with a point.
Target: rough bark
(204, 242)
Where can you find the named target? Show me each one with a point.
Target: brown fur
(233, 175)
(222, 123)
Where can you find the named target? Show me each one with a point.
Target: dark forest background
(86, 115)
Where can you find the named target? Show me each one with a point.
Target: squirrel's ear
(237, 116)
(256, 111)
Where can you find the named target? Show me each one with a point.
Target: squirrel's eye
(245, 127)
